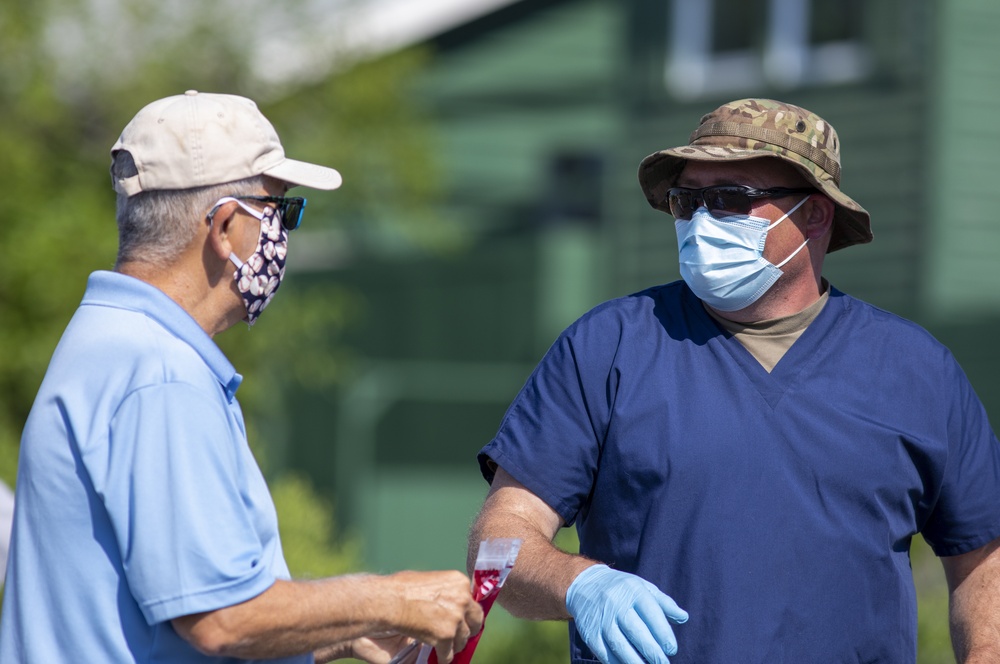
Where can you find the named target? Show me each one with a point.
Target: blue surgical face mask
(721, 259)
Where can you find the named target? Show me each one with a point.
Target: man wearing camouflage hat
(143, 528)
(749, 443)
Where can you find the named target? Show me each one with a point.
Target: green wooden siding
(883, 126)
(512, 100)
(964, 241)
(446, 342)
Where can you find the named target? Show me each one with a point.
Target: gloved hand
(623, 618)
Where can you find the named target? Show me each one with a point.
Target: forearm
(974, 606)
(974, 617)
(294, 617)
(536, 587)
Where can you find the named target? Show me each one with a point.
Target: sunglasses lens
(681, 203)
(291, 212)
(720, 201)
(731, 200)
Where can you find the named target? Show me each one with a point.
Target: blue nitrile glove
(623, 618)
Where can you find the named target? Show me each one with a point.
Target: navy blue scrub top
(777, 509)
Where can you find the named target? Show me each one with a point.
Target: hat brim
(659, 172)
(304, 174)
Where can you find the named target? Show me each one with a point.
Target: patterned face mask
(259, 276)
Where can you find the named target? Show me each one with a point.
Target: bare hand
(379, 649)
(438, 610)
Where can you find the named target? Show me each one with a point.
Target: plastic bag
(494, 562)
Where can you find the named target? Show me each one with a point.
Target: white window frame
(694, 70)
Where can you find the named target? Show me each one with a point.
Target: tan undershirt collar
(769, 340)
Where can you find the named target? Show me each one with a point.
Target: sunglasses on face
(722, 199)
(289, 207)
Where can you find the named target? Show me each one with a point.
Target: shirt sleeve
(551, 436)
(173, 487)
(966, 514)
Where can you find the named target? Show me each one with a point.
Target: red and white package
(494, 562)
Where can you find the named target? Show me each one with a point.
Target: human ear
(820, 221)
(220, 227)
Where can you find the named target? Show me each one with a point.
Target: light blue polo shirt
(138, 499)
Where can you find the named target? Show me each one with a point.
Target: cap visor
(304, 174)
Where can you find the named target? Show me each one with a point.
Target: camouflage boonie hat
(755, 128)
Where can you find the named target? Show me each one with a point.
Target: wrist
(590, 571)
(581, 581)
(395, 608)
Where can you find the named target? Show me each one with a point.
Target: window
(574, 188)
(742, 45)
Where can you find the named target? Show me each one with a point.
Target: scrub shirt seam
(957, 547)
(561, 507)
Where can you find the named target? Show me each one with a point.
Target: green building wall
(964, 214)
(544, 110)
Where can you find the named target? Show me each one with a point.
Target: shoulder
(636, 312)
(108, 339)
(657, 317)
(623, 330)
(868, 317)
(888, 334)
(107, 353)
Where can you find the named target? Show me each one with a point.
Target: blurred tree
(307, 531)
(57, 222)
(63, 101)
(933, 636)
(75, 72)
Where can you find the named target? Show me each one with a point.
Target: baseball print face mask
(258, 278)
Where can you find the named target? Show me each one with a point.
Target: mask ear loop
(249, 210)
(790, 257)
(793, 254)
(790, 212)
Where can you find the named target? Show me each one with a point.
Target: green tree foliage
(933, 637)
(58, 119)
(307, 531)
(58, 225)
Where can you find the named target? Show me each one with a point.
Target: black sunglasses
(289, 207)
(725, 199)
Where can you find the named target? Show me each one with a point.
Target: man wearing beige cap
(748, 443)
(143, 529)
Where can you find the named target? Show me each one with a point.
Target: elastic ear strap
(793, 254)
(249, 210)
(789, 213)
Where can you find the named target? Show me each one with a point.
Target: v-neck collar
(809, 349)
(769, 340)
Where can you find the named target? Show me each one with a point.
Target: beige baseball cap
(198, 139)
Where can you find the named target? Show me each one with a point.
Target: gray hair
(155, 226)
